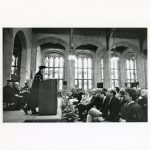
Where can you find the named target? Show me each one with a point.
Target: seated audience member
(131, 111)
(138, 91)
(122, 99)
(94, 108)
(113, 107)
(104, 103)
(8, 93)
(18, 95)
(142, 101)
(117, 90)
(82, 106)
(79, 95)
(95, 115)
(128, 85)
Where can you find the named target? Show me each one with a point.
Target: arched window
(83, 72)
(102, 69)
(54, 68)
(115, 71)
(131, 69)
(16, 59)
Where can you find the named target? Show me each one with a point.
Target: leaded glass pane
(51, 62)
(115, 64)
(76, 61)
(13, 61)
(80, 84)
(60, 84)
(132, 74)
(89, 63)
(61, 62)
(76, 82)
(102, 63)
(46, 71)
(85, 73)
(80, 73)
(102, 73)
(127, 64)
(46, 62)
(76, 72)
(12, 70)
(51, 73)
(131, 64)
(136, 74)
(89, 74)
(128, 74)
(61, 73)
(85, 84)
(111, 63)
(113, 84)
(128, 80)
(56, 61)
(116, 83)
(80, 63)
(56, 73)
(116, 74)
(90, 84)
(85, 62)
(112, 74)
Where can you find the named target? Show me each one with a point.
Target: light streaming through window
(131, 70)
(54, 68)
(114, 71)
(83, 72)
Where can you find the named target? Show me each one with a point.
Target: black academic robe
(35, 90)
(8, 94)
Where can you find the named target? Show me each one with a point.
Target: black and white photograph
(75, 75)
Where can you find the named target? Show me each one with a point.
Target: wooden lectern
(48, 97)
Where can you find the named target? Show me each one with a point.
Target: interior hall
(80, 60)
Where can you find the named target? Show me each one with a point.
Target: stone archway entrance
(19, 58)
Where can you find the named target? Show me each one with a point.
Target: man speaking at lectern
(33, 102)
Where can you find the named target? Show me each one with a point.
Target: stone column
(96, 75)
(140, 70)
(123, 73)
(69, 71)
(7, 54)
(107, 69)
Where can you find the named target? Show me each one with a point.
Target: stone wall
(29, 62)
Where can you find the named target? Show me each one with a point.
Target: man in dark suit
(113, 108)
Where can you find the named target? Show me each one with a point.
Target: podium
(48, 97)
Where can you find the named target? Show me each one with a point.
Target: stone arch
(40, 41)
(95, 43)
(53, 40)
(127, 44)
(21, 35)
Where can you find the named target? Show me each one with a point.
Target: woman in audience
(131, 111)
(82, 106)
(142, 101)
